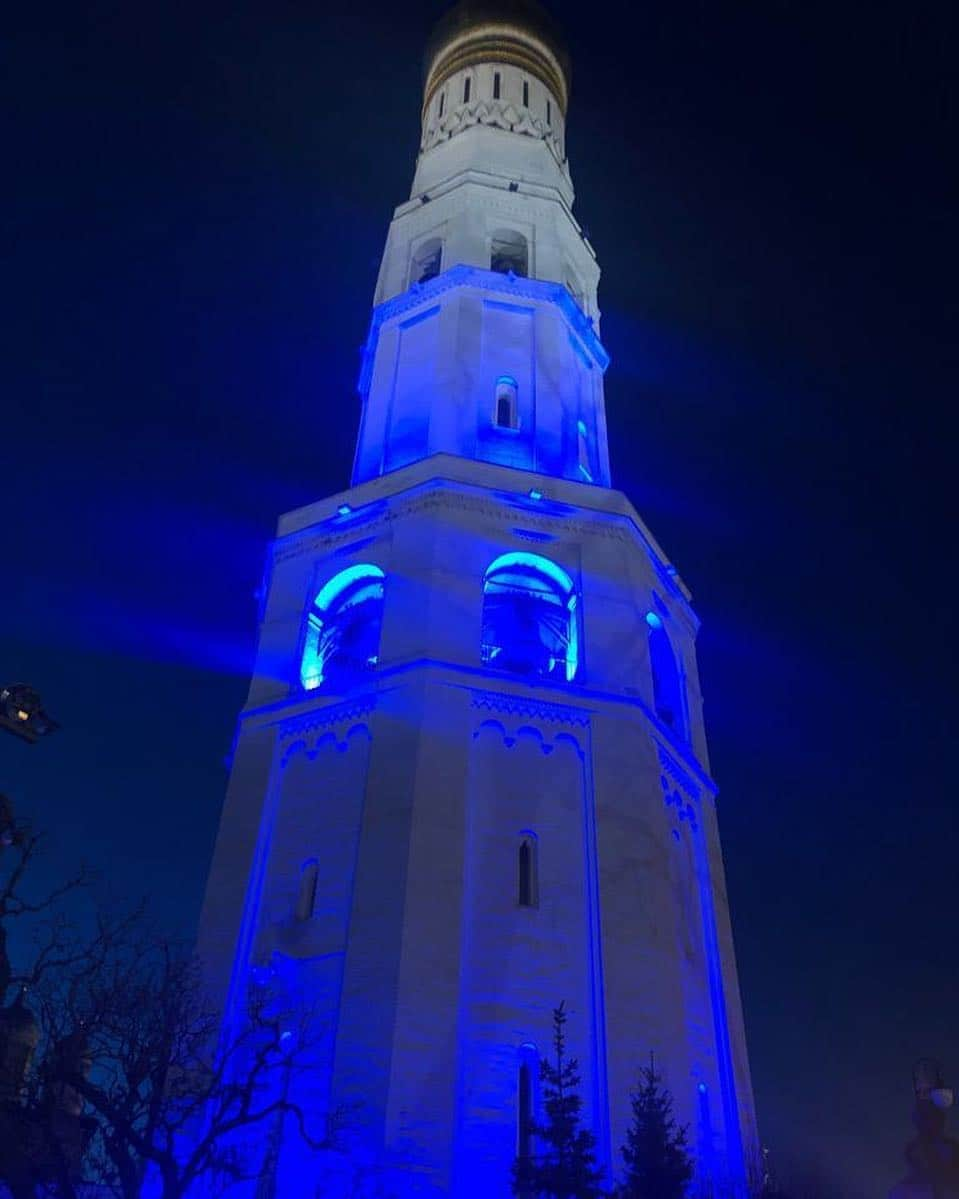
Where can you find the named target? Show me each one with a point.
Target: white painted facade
(408, 786)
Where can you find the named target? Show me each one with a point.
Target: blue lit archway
(668, 697)
(343, 626)
(530, 617)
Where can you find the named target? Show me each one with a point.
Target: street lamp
(22, 713)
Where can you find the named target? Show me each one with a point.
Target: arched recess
(509, 251)
(506, 412)
(427, 261)
(668, 698)
(343, 626)
(530, 617)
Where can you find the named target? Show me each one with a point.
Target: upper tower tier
(485, 333)
(500, 65)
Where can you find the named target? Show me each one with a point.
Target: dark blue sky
(195, 201)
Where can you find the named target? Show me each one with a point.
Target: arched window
(583, 452)
(427, 261)
(530, 617)
(306, 897)
(524, 1113)
(506, 415)
(509, 251)
(667, 682)
(527, 1076)
(528, 871)
(343, 626)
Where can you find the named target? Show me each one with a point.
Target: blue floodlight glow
(653, 620)
(344, 510)
(534, 494)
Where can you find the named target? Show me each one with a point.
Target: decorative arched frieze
(497, 114)
(326, 740)
(514, 721)
(338, 722)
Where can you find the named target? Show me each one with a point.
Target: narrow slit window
(442, 103)
(549, 113)
(525, 94)
(527, 1101)
(528, 889)
(524, 1113)
(306, 897)
(496, 85)
(467, 85)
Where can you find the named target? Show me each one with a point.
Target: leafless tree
(136, 1078)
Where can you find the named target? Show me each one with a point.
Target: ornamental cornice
(672, 770)
(495, 114)
(510, 286)
(530, 709)
(328, 717)
(445, 495)
(559, 525)
(294, 545)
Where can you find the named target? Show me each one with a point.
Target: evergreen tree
(658, 1163)
(566, 1168)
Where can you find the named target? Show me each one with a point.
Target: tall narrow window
(506, 415)
(467, 83)
(667, 682)
(585, 467)
(527, 1100)
(549, 113)
(530, 618)
(509, 251)
(528, 889)
(496, 85)
(525, 94)
(343, 627)
(442, 103)
(524, 1113)
(306, 897)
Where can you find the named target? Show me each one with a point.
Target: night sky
(195, 199)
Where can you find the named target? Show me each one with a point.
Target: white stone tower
(471, 779)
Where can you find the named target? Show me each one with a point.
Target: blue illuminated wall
(501, 684)
(436, 354)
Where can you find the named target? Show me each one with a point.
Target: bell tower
(471, 780)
